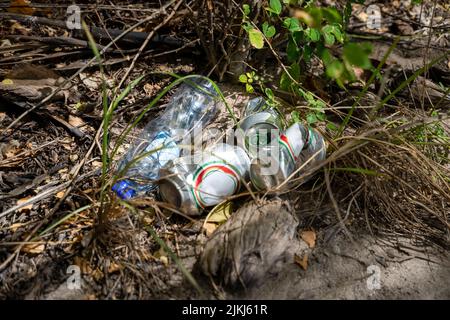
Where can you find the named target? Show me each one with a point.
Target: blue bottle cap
(124, 189)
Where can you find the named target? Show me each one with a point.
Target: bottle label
(163, 148)
(213, 182)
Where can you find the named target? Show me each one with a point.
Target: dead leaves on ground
(309, 237)
(24, 208)
(302, 261)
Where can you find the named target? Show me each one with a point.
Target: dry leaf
(362, 16)
(210, 228)
(7, 81)
(25, 208)
(302, 262)
(164, 260)
(73, 158)
(21, 7)
(309, 237)
(84, 265)
(16, 226)
(96, 164)
(76, 121)
(97, 274)
(60, 194)
(33, 248)
(114, 267)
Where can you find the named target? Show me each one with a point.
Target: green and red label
(213, 182)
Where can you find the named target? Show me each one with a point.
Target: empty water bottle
(194, 105)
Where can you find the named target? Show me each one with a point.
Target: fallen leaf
(16, 226)
(210, 228)
(76, 121)
(21, 6)
(25, 208)
(309, 237)
(7, 81)
(85, 268)
(161, 255)
(302, 262)
(73, 158)
(114, 267)
(60, 194)
(97, 274)
(33, 248)
(97, 164)
(362, 16)
(164, 260)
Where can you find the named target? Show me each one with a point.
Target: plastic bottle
(194, 105)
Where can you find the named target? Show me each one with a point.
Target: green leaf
(269, 93)
(294, 71)
(316, 16)
(331, 126)
(312, 34)
(338, 33)
(246, 9)
(307, 53)
(335, 69)
(275, 5)
(285, 82)
(256, 38)
(243, 78)
(358, 55)
(321, 116)
(311, 118)
(271, 32)
(293, 53)
(326, 56)
(292, 24)
(332, 15)
(268, 30)
(329, 38)
(247, 26)
(295, 116)
(328, 35)
(249, 88)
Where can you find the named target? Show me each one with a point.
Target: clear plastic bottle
(194, 105)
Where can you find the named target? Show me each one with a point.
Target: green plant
(309, 32)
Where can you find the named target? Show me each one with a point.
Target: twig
(34, 107)
(147, 40)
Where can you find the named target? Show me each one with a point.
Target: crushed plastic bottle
(194, 105)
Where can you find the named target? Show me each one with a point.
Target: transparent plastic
(193, 105)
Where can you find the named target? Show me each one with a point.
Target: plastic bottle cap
(124, 190)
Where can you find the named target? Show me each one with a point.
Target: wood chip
(302, 262)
